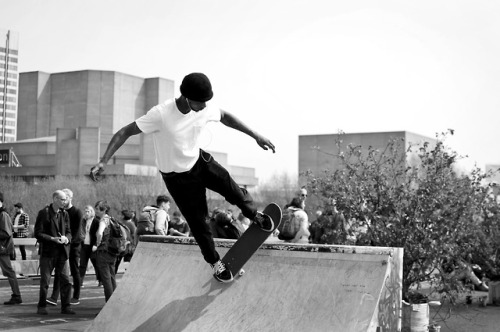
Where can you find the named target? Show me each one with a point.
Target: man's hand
(63, 240)
(96, 171)
(265, 143)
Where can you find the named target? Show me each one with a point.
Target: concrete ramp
(169, 287)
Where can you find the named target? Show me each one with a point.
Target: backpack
(146, 221)
(117, 239)
(129, 251)
(289, 225)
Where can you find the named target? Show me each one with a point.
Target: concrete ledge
(24, 241)
(276, 245)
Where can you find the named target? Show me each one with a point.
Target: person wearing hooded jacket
(296, 206)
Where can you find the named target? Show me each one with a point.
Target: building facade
(66, 121)
(8, 85)
(317, 152)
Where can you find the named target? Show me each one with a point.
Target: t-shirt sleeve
(150, 122)
(214, 114)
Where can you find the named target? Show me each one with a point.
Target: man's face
(98, 212)
(60, 200)
(165, 206)
(303, 194)
(196, 105)
(87, 213)
(68, 201)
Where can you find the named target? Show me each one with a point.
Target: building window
(11, 83)
(9, 107)
(9, 99)
(11, 51)
(9, 131)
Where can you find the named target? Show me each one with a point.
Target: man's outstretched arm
(120, 137)
(230, 120)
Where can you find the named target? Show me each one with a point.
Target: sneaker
(68, 311)
(74, 301)
(221, 273)
(51, 301)
(14, 299)
(264, 221)
(42, 311)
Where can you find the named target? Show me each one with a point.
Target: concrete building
(317, 152)
(67, 119)
(8, 85)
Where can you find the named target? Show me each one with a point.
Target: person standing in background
(54, 235)
(6, 246)
(75, 220)
(21, 224)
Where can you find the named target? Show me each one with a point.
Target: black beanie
(197, 87)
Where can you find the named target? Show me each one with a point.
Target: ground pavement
(24, 318)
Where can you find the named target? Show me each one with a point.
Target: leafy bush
(414, 199)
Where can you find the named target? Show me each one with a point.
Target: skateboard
(250, 242)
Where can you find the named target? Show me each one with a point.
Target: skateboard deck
(250, 241)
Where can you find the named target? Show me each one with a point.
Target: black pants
(106, 266)
(188, 189)
(86, 254)
(74, 261)
(47, 265)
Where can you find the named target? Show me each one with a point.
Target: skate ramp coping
(286, 287)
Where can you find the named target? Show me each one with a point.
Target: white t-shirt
(175, 135)
(161, 222)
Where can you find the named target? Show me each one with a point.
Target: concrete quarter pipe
(169, 287)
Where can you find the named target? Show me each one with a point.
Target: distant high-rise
(8, 85)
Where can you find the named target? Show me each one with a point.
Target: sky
(288, 68)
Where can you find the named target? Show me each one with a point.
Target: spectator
(105, 260)
(6, 246)
(316, 229)
(296, 207)
(224, 226)
(212, 223)
(462, 270)
(134, 218)
(302, 195)
(127, 254)
(128, 222)
(178, 226)
(52, 230)
(236, 222)
(77, 236)
(21, 224)
(162, 217)
(89, 222)
(336, 228)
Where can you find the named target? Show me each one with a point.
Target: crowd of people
(68, 237)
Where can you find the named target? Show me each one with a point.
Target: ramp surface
(169, 287)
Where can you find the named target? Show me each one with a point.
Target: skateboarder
(186, 169)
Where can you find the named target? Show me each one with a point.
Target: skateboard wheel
(242, 272)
